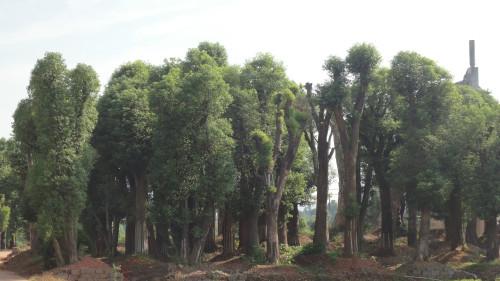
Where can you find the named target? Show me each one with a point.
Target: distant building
(471, 77)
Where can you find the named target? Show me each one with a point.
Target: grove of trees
(176, 154)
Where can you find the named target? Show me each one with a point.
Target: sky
(301, 34)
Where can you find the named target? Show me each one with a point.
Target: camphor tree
(319, 137)
(123, 138)
(348, 108)
(63, 106)
(192, 165)
(424, 96)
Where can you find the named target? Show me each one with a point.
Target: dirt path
(6, 275)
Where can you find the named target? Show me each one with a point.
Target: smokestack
(472, 54)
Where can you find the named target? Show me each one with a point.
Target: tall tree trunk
(33, 236)
(262, 228)
(471, 233)
(116, 231)
(58, 253)
(339, 158)
(412, 214)
(351, 240)
(282, 225)
(210, 244)
(70, 240)
(320, 238)
(227, 233)
(272, 245)
(364, 190)
(152, 240)
(141, 237)
(387, 233)
(129, 235)
(185, 245)
(293, 226)
(424, 236)
(492, 245)
(454, 221)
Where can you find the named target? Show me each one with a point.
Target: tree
(361, 61)
(64, 105)
(192, 149)
(319, 138)
(378, 139)
(423, 88)
(123, 136)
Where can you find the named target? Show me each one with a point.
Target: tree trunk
(387, 233)
(2, 244)
(57, 253)
(272, 245)
(116, 231)
(141, 237)
(282, 225)
(339, 158)
(262, 228)
(320, 239)
(71, 240)
(210, 244)
(152, 241)
(200, 240)
(33, 236)
(293, 226)
(471, 233)
(129, 235)
(492, 245)
(424, 235)
(185, 245)
(364, 199)
(412, 215)
(351, 216)
(227, 233)
(454, 221)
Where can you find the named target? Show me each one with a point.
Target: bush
(311, 249)
(257, 256)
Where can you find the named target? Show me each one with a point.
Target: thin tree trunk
(199, 241)
(227, 233)
(184, 250)
(471, 233)
(262, 228)
(424, 237)
(141, 237)
(339, 158)
(454, 222)
(210, 245)
(129, 235)
(33, 235)
(320, 238)
(282, 225)
(116, 230)
(293, 226)
(351, 246)
(492, 245)
(412, 215)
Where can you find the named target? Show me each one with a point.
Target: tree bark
(141, 237)
(471, 233)
(293, 226)
(70, 240)
(200, 240)
(351, 239)
(423, 242)
(492, 245)
(387, 233)
(282, 225)
(210, 245)
(227, 233)
(272, 245)
(339, 221)
(454, 221)
(412, 215)
(320, 238)
(129, 235)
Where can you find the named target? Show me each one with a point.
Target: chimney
(472, 54)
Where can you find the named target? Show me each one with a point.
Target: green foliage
(362, 59)
(312, 249)
(257, 255)
(4, 214)
(64, 115)
(264, 148)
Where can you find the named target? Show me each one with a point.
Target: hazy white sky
(302, 34)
